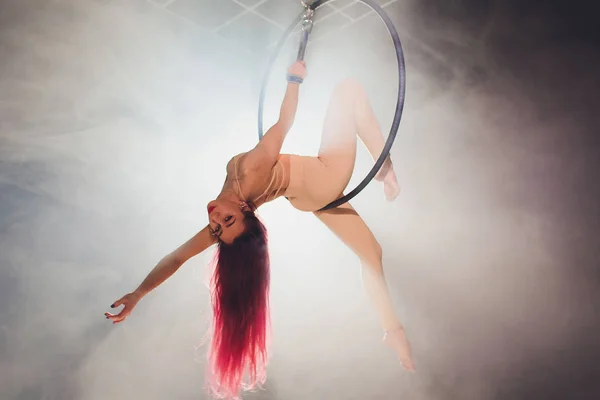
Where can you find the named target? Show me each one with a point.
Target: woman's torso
(258, 181)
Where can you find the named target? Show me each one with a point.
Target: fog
(117, 120)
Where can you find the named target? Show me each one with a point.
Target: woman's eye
(228, 218)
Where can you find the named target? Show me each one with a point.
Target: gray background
(117, 119)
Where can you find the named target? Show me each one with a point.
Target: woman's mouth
(210, 209)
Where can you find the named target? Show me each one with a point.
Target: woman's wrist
(139, 292)
(294, 79)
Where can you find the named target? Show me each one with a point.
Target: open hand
(129, 301)
(298, 69)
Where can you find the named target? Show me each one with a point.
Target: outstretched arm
(163, 271)
(171, 262)
(268, 149)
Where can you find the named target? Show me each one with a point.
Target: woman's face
(226, 219)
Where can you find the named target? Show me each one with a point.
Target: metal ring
(399, 103)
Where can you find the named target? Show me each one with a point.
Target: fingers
(298, 63)
(120, 316)
(116, 318)
(118, 302)
(128, 302)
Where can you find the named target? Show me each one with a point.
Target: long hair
(238, 355)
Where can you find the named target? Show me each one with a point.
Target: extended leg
(345, 222)
(350, 114)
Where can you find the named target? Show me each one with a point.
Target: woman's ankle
(386, 167)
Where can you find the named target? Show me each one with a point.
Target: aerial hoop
(306, 19)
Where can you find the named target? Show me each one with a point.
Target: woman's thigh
(338, 136)
(349, 226)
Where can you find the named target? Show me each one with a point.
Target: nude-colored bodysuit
(274, 189)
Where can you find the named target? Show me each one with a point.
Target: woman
(240, 282)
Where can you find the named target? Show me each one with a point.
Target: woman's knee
(349, 88)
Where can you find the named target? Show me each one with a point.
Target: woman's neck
(227, 193)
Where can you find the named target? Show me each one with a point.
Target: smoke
(117, 119)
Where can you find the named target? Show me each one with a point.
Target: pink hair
(239, 287)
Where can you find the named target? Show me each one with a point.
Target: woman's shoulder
(237, 159)
(249, 162)
(241, 164)
(258, 160)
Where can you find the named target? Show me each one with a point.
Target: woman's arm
(289, 106)
(270, 145)
(171, 262)
(162, 271)
(268, 149)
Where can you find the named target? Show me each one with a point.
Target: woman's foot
(391, 188)
(397, 341)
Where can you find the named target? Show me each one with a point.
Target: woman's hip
(317, 181)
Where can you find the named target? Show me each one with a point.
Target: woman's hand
(298, 69)
(129, 301)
